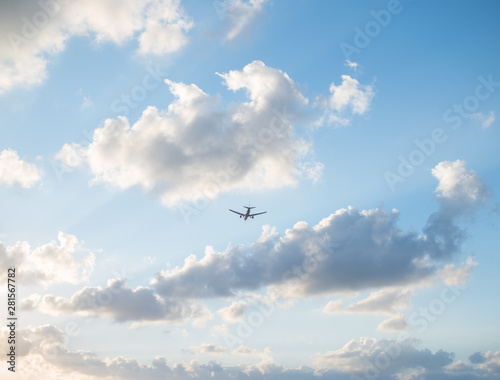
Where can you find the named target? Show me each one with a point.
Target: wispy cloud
(485, 120)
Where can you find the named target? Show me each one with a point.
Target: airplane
(247, 214)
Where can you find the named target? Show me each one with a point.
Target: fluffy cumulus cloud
(123, 304)
(17, 172)
(234, 311)
(66, 261)
(44, 354)
(345, 100)
(459, 186)
(237, 15)
(32, 32)
(194, 150)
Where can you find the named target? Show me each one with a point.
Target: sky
(367, 131)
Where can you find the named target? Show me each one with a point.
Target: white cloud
(384, 301)
(492, 362)
(346, 100)
(220, 329)
(313, 170)
(452, 275)
(165, 29)
(485, 120)
(16, 172)
(207, 348)
(458, 185)
(194, 150)
(395, 323)
(245, 350)
(234, 311)
(352, 65)
(350, 94)
(50, 263)
(237, 15)
(34, 32)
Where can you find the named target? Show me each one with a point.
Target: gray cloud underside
(349, 250)
(124, 304)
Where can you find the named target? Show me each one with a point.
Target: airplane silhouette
(247, 215)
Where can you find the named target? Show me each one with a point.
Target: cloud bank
(45, 356)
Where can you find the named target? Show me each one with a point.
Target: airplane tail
(248, 207)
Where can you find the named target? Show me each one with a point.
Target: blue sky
(368, 131)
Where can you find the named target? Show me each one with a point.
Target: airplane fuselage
(247, 214)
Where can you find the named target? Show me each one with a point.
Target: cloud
(458, 186)
(220, 329)
(52, 263)
(348, 251)
(207, 348)
(194, 150)
(492, 362)
(396, 323)
(45, 355)
(32, 33)
(460, 193)
(384, 301)
(352, 65)
(165, 29)
(452, 275)
(237, 15)
(16, 172)
(124, 304)
(245, 350)
(387, 357)
(234, 311)
(477, 358)
(350, 94)
(485, 120)
(346, 100)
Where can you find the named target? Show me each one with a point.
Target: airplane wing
(236, 212)
(259, 213)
